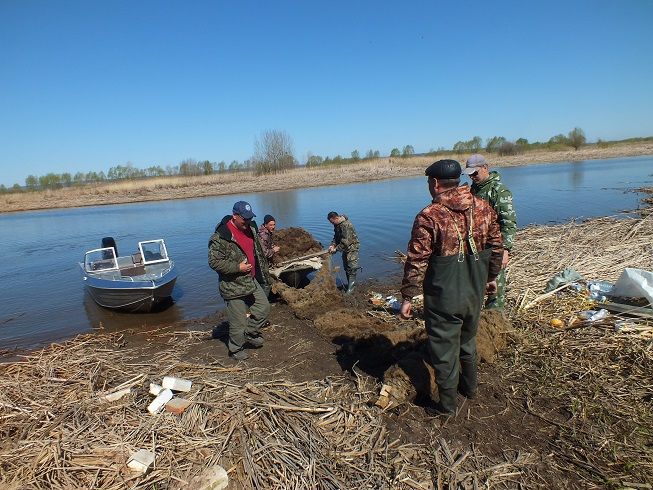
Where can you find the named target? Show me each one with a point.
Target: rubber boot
(468, 382)
(351, 282)
(446, 405)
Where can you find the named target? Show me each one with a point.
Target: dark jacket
(267, 241)
(225, 256)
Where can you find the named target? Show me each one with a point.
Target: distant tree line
(186, 168)
(316, 160)
(274, 153)
(499, 144)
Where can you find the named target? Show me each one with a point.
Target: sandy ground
(222, 184)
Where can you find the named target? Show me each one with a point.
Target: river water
(41, 290)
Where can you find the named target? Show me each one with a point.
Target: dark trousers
(453, 294)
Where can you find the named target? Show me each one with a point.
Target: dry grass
(590, 381)
(593, 381)
(164, 188)
(58, 433)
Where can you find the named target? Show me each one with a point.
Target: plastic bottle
(598, 297)
(593, 315)
(599, 315)
(601, 287)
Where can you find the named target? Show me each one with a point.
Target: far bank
(165, 188)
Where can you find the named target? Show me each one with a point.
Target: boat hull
(134, 296)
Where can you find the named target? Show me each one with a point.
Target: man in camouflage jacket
(266, 236)
(345, 240)
(454, 256)
(235, 253)
(487, 185)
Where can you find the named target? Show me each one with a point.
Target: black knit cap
(267, 218)
(444, 169)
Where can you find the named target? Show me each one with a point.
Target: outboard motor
(109, 242)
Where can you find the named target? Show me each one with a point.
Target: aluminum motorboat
(138, 282)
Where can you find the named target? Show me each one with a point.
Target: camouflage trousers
(498, 301)
(350, 262)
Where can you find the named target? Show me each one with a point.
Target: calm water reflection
(42, 293)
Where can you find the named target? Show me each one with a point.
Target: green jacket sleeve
(507, 216)
(219, 258)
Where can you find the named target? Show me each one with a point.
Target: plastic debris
(155, 389)
(141, 460)
(600, 287)
(213, 478)
(621, 325)
(593, 315)
(117, 395)
(563, 277)
(176, 384)
(159, 402)
(635, 283)
(393, 302)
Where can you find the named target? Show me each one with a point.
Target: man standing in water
(487, 185)
(235, 253)
(454, 255)
(346, 241)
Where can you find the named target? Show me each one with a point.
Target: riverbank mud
(550, 409)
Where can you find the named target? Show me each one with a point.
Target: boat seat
(137, 258)
(99, 265)
(135, 270)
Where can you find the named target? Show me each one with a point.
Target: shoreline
(547, 393)
(172, 188)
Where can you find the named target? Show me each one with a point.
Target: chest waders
(454, 287)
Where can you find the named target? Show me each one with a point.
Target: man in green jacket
(235, 253)
(487, 185)
(346, 241)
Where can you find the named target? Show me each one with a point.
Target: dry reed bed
(177, 187)
(598, 249)
(57, 432)
(593, 381)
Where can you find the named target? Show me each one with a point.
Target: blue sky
(90, 85)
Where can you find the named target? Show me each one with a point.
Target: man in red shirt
(235, 253)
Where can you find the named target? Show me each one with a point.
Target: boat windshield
(100, 259)
(153, 251)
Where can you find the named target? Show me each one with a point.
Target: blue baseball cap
(243, 209)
